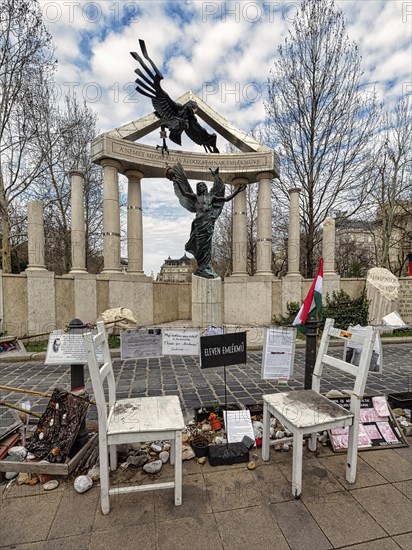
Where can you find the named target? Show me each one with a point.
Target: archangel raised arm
(207, 205)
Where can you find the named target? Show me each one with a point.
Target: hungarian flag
(313, 303)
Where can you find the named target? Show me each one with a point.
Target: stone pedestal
(41, 302)
(248, 300)
(291, 290)
(206, 302)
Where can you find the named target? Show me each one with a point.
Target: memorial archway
(117, 152)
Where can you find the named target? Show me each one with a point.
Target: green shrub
(346, 310)
(286, 320)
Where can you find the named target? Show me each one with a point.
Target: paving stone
(382, 544)
(392, 466)
(232, 489)
(405, 487)
(250, 528)
(128, 537)
(388, 506)
(120, 516)
(75, 514)
(404, 541)
(343, 520)
(308, 535)
(194, 533)
(365, 477)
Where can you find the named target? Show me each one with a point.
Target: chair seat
(145, 415)
(307, 411)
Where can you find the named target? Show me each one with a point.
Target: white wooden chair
(130, 421)
(306, 412)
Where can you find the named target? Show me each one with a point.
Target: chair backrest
(366, 339)
(97, 345)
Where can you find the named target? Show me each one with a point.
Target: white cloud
(226, 60)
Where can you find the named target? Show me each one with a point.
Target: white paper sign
(394, 320)
(66, 348)
(141, 343)
(238, 424)
(352, 350)
(180, 342)
(278, 353)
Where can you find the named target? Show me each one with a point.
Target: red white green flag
(312, 306)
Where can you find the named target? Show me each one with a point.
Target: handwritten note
(180, 342)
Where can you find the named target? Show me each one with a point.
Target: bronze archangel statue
(207, 205)
(178, 118)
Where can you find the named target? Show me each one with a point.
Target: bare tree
(25, 59)
(391, 193)
(320, 118)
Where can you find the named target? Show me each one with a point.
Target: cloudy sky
(223, 51)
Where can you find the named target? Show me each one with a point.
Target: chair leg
(104, 476)
(352, 458)
(178, 468)
(312, 442)
(297, 465)
(266, 432)
(172, 452)
(113, 457)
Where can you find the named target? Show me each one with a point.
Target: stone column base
(206, 302)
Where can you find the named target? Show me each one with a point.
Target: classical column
(111, 215)
(294, 232)
(78, 236)
(239, 228)
(328, 246)
(134, 222)
(264, 225)
(36, 236)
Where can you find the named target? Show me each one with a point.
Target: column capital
(294, 190)
(111, 162)
(265, 175)
(240, 181)
(76, 172)
(134, 174)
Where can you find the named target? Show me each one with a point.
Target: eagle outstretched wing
(149, 86)
(178, 118)
(180, 182)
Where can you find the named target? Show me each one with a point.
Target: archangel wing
(180, 183)
(149, 85)
(218, 190)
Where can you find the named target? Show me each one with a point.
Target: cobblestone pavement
(182, 376)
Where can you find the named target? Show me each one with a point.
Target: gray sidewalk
(225, 507)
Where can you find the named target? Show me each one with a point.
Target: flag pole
(310, 352)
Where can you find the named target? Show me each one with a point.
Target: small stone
(192, 423)
(94, 473)
(164, 456)
(219, 440)
(398, 411)
(124, 465)
(18, 450)
(278, 448)
(187, 453)
(11, 475)
(50, 485)
(139, 460)
(156, 448)
(166, 447)
(279, 434)
(136, 446)
(23, 478)
(201, 460)
(30, 456)
(206, 427)
(83, 484)
(251, 465)
(285, 447)
(153, 467)
(152, 453)
(185, 438)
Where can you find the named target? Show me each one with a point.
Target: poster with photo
(141, 343)
(352, 351)
(378, 428)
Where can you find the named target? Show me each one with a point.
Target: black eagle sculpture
(177, 118)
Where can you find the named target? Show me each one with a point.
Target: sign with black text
(222, 350)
